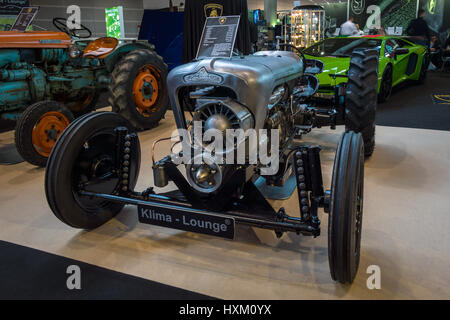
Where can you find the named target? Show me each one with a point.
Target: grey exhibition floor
(405, 230)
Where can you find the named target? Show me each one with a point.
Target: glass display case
(284, 16)
(307, 25)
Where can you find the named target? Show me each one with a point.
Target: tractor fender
(112, 59)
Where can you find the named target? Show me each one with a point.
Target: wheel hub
(102, 166)
(47, 130)
(146, 89)
(52, 134)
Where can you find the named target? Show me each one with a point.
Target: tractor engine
(28, 75)
(20, 80)
(250, 92)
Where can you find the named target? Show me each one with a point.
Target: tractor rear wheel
(346, 208)
(85, 157)
(87, 103)
(361, 96)
(138, 89)
(38, 128)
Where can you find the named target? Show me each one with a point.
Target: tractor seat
(100, 48)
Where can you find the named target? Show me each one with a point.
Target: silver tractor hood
(252, 78)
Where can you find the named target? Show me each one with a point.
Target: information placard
(218, 37)
(24, 18)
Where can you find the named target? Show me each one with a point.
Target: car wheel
(423, 72)
(386, 85)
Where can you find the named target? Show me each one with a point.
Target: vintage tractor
(92, 172)
(49, 78)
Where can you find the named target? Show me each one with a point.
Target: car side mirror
(401, 51)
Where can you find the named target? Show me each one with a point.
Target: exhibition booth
(212, 149)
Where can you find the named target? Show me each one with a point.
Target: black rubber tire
(25, 125)
(344, 221)
(121, 88)
(59, 176)
(361, 96)
(423, 71)
(386, 82)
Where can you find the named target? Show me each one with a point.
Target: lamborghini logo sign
(432, 6)
(213, 10)
(441, 98)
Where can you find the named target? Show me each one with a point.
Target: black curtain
(194, 19)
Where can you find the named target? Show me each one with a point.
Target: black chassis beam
(287, 224)
(251, 208)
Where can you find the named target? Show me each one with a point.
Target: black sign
(213, 225)
(374, 14)
(218, 37)
(24, 18)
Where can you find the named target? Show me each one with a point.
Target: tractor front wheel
(38, 128)
(86, 158)
(346, 208)
(138, 89)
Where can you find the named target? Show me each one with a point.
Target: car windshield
(341, 47)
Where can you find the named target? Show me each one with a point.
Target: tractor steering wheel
(61, 25)
(300, 52)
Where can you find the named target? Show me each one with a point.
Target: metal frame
(251, 209)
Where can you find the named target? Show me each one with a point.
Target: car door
(399, 62)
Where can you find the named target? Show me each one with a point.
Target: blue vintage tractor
(49, 78)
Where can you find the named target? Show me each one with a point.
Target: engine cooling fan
(217, 116)
(224, 115)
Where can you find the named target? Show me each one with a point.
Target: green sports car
(400, 60)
